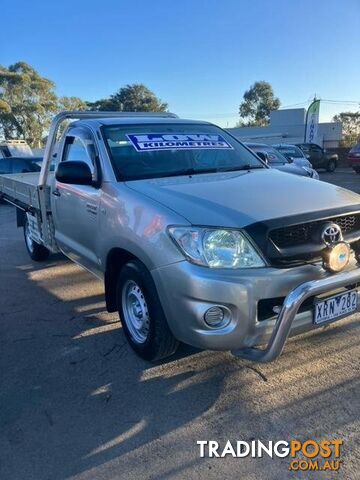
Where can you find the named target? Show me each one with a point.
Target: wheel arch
(115, 260)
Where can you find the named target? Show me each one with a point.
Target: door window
(315, 149)
(5, 151)
(4, 166)
(81, 148)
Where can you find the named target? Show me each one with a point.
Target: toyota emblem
(331, 234)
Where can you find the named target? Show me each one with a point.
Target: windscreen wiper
(191, 171)
(242, 167)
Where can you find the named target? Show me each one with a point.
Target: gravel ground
(75, 402)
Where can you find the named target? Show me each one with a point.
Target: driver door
(76, 207)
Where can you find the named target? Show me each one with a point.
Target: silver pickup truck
(196, 239)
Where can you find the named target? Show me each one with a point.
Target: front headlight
(315, 175)
(216, 248)
(311, 173)
(308, 171)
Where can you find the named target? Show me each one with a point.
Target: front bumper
(186, 291)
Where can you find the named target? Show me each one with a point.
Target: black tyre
(331, 166)
(141, 314)
(36, 251)
(357, 170)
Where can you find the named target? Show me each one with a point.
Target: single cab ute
(195, 238)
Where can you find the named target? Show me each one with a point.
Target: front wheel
(36, 251)
(141, 314)
(331, 166)
(357, 170)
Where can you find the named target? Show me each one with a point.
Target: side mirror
(264, 156)
(74, 172)
(291, 159)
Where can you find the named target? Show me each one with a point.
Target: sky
(198, 56)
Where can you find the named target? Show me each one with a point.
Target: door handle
(91, 208)
(56, 193)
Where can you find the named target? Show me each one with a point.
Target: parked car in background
(15, 148)
(19, 165)
(354, 158)
(293, 154)
(319, 157)
(276, 160)
(39, 160)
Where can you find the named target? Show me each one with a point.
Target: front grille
(300, 234)
(265, 306)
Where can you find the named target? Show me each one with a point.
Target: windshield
(355, 149)
(273, 156)
(162, 150)
(291, 151)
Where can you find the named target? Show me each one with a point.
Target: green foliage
(104, 104)
(258, 102)
(350, 127)
(27, 102)
(71, 103)
(131, 98)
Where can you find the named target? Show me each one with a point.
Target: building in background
(288, 126)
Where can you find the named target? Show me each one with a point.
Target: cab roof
(137, 121)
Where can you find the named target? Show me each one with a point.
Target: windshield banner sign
(146, 142)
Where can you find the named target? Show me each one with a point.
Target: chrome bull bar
(289, 310)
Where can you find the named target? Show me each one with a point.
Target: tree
(104, 104)
(68, 103)
(71, 103)
(131, 98)
(27, 102)
(258, 102)
(350, 127)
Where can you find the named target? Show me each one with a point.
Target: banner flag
(312, 122)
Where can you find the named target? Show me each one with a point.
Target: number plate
(334, 307)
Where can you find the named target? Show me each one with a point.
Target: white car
(294, 154)
(277, 159)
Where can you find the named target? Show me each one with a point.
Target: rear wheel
(36, 251)
(141, 314)
(331, 166)
(357, 170)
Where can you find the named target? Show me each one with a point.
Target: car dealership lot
(76, 402)
(344, 177)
